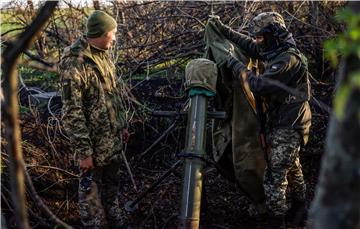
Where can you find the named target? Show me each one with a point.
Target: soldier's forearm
(243, 41)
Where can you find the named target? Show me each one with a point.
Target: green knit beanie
(99, 23)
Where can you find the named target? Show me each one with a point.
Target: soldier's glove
(236, 66)
(214, 17)
(216, 20)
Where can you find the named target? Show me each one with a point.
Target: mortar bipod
(132, 205)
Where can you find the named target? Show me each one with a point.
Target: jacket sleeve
(120, 109)
(73, 117)
(122, 118)
(243, 41)
(277, 76)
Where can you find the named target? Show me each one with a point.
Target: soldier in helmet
(288, 111)
(93, 118)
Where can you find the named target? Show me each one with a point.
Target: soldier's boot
(297, 213)
(275, 222)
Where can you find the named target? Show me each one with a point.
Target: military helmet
(265, 20)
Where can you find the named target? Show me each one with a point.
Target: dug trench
(51, 165)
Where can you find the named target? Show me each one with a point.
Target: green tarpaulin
(236, 143)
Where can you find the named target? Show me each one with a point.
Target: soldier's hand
(215, 19)
(126, 135)
(245, 75)
(232, 62)
(238, 68)
(86, 164)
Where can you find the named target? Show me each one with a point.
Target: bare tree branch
(11, 108)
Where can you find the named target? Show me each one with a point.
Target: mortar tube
(195, 143)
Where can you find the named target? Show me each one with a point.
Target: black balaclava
(276, 39)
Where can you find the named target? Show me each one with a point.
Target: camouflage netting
(236, 140)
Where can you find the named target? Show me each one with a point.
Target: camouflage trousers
(283, 171)
(99, 207)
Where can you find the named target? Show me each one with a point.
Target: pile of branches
(158, 35)
(155, 38)
(158, 38)
(51, 177)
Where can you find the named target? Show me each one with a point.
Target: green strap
(200, 91)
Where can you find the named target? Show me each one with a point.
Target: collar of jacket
(82, 48)
(270, 55)
(97, 49)
(285, 43)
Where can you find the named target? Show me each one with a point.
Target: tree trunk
(337, 199)
(314, 13)
(11, 108)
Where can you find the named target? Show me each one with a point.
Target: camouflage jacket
(283, 68)
(92, 113)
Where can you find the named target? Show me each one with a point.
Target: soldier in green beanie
(99, 23)
(93, 118)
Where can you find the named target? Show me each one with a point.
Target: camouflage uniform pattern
(93, 120)
(288, 116)
(99, 208)
(265, 19)
(92, 110)
(284, 170)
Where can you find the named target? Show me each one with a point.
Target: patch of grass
(7, 24)
(24, 110)
(36, 78)
(162, 70)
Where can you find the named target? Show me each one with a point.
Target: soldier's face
(259, 40)
(108, 38)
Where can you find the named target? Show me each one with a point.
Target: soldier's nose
(259, 39)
